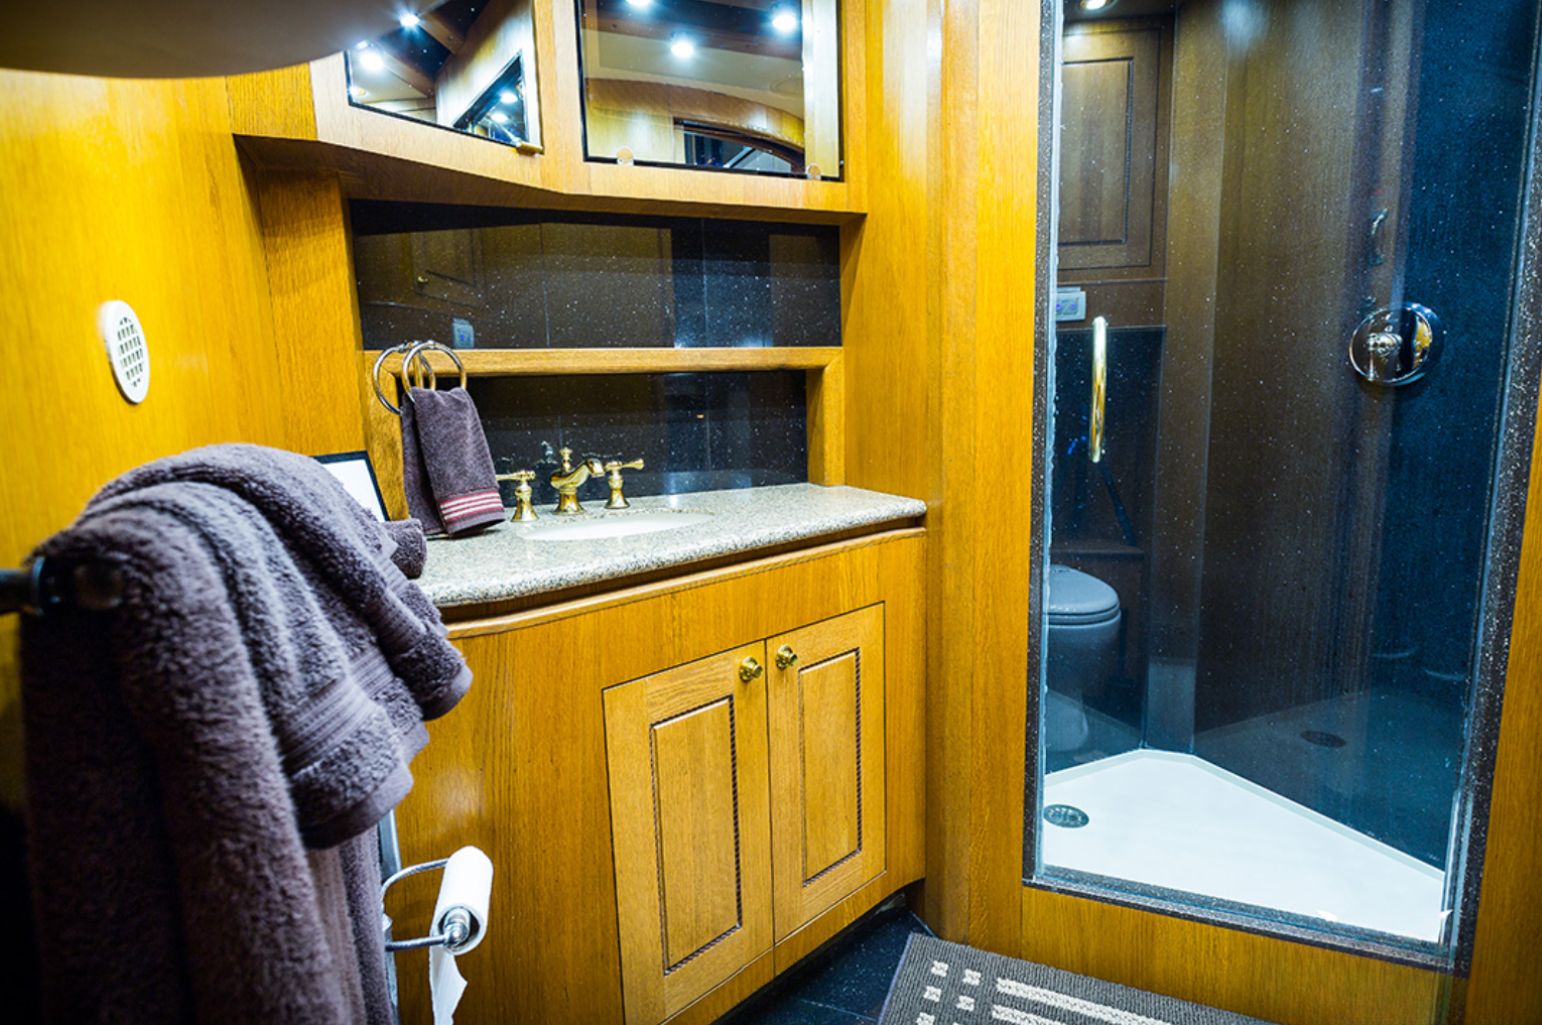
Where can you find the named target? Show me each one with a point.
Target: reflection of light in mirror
(1096, 5)
(683, 47)
(500, 117)
(408, 20)
(372, 60)
(358, 92)
(362, 44)
(507, 96)
(641, 5)
(784, 21)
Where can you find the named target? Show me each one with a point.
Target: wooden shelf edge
(543, 362)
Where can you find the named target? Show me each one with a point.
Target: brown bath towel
(345, 550)
(206, 762)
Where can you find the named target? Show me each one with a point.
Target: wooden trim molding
(544, 362)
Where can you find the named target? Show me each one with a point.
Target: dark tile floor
(842, 983)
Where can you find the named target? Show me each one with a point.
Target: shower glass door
(1286, 440)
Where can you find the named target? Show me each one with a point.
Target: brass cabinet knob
(750, 669)
(786, 657)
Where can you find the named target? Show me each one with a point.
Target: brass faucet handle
(613, 470)
(567, 459)
(523, 512)
(615, 464)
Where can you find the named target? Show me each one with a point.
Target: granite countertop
(509, 561)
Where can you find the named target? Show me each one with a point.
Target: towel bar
(413, 355)
(46, 584)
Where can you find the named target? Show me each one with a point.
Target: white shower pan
(1176, 821)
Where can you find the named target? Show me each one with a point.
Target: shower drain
(1322, 738)
(1067, 815)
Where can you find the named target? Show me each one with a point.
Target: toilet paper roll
(466, 885)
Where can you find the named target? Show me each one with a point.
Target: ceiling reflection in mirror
(465, 65)
(740, 85)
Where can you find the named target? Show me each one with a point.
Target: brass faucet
(613, 478)
(568, 481)
(524, 512)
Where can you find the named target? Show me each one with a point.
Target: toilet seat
(1075, 598)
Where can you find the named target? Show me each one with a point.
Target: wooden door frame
(1267, 975)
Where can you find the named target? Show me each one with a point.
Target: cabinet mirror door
(827, 763)
(465, 65)
(737, 85)
(687, 762)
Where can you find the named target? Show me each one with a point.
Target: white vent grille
(126, 349)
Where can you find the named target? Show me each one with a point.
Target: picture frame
(357, 475)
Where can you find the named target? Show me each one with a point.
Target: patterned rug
(942, 983)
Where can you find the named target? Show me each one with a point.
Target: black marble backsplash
(696, 432)
(537, 279)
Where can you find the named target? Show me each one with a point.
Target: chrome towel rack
(415, 369)
(46, 584)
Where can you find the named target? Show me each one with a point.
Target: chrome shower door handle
(1099, 400)
(1396, 345)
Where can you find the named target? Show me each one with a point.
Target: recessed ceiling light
(409, 20)
(683, 47)
(362, 44)
(507, 96)
(785, 22)
(500, 117)
(639, 5)
(372, 60)
(1095, 5)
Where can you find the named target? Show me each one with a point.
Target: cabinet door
(447, 265)
(827, 763)
(686, 750)
(1110, 130)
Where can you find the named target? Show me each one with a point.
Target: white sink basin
(624, 524)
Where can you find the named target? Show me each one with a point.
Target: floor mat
(942, 983)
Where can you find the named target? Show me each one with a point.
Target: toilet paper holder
(459, 928)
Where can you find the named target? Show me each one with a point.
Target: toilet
(1079, 641)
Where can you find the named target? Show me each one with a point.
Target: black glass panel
(495, 278)
(696, 432)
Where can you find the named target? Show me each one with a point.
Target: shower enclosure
(1285, 457)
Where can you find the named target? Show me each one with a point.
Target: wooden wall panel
(1505, 983)
(938, 336)
(891, 434)
(984, 187)
(1200, 70)
(134, 190)
(1272, 979)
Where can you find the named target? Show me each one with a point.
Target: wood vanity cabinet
(747, 797)
(668, 828)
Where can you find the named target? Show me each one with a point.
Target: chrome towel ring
(415, 369)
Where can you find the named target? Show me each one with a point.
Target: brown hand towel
(447, 468)
(420, 496)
